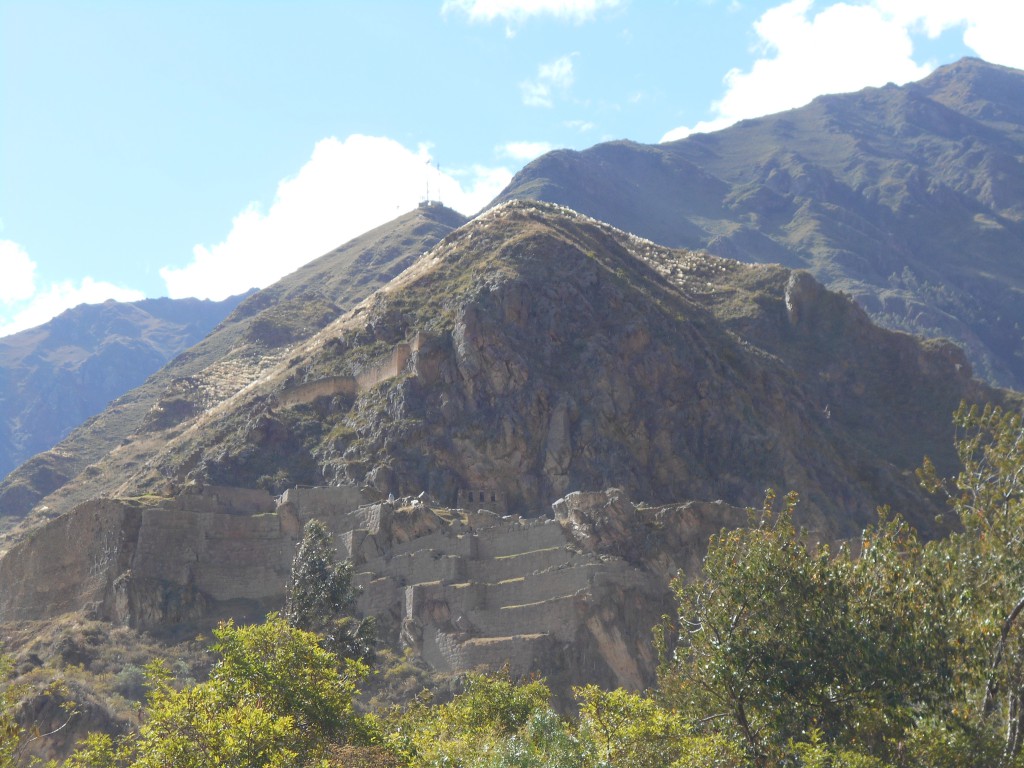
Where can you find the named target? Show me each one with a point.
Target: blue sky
(154, 148)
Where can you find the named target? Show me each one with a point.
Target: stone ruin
(573, 596)
(383, 369)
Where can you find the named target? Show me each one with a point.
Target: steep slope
(535, 352)
(911, 199)
(256, 336)
(55, 376)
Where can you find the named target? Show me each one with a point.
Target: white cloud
(46, 304)
(841, 48)
(346, 188)
(558, 72)
(524, 151)
(991, 27)
(536, 94)
(485, 184)
(23, 305)
(517, 11)
(18, 269)
(557, 75)
(583, 126)
(848, 46)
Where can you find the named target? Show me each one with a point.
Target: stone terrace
(573, 598)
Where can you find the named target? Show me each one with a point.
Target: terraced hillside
(570, 596)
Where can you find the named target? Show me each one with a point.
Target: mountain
(256, 335)
(519, 427)
(910, 199)
(518, 440)
(536, 352)
(55, 376)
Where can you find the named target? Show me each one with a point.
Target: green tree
(814, 753)
(985, 563)
(11, 732)
(544, 741)
(274, 699)
(780, 639)
(321, 597)
(627, 730)
(14, 736)
(495, 722)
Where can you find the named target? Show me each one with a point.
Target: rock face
(573, 597)
(555, 354)
(150, 562)
(910, 199)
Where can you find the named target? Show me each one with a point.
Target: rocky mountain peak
(977, 89)
(251, 340)
(536, 351)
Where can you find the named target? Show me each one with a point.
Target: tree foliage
(986, 567)
(629, 730)
(780, 638)
(890, 652)
(275, 699)
(10, 731)
(15, 736)
(321, 597)
(491, 722)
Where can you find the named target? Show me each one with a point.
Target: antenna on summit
(427, 202)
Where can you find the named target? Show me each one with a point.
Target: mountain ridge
(59, 374)
(256, 334)
(696, 366)
(909, 198)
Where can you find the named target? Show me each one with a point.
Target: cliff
(554, 353)
(534, 352)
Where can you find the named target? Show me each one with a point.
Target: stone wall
(323, 501)
(330, 386)
(69, 564)
(210, 553)
(388, 368)
(491, 499)
(366, 379)
(573, 598)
